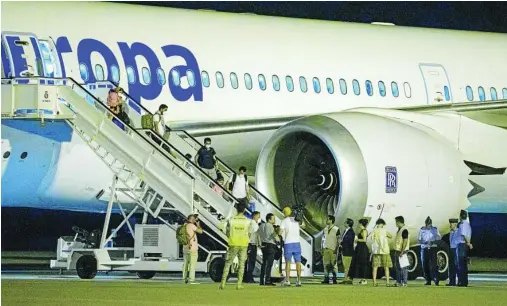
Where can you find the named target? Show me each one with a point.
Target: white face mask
(208, 146)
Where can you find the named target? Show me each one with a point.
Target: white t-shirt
(159, 123)
(253, 233)
(239, 189)
(290, 229)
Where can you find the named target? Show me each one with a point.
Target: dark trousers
(268, 256)
(250, 263)
(462, 267)
(429, 263)
(452, 267)
(401, 273)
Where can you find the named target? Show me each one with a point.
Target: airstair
(150, 170)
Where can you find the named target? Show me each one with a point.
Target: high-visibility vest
(399, 240)
(239, 227)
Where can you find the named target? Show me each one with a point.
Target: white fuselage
(181, 58)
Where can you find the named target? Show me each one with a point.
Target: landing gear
(216, 269)
(86, 267)
(145, 274)
(443, 261)
(415, 267)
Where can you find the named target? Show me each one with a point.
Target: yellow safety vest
(239, 227)
(399, 240)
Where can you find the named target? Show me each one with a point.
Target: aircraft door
(50, 59)
(22, 55)
(438, 89)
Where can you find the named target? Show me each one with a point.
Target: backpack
(181, 234)
(147, 121)
(231, 184)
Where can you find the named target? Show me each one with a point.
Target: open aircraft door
(21, 55)
(50, 59)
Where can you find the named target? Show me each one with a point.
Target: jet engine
(353, 164)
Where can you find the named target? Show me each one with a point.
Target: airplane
(267, 89)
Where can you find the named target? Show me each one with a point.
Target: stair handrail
(201, 145)
(181, 155)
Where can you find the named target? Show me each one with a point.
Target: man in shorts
(292, 246)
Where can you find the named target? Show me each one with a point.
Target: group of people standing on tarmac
(356, 255)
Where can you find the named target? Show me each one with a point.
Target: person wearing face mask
(428, 236)
(159, 122)
(253, 244)
(238, 185)
(329, 248)
(206, 159)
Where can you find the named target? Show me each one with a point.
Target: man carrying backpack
(238, 186)
(187, 236)
(206, 159)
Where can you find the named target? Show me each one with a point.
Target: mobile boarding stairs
(153, 172)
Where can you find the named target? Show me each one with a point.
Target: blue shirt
(464, 230)
(454, 238)
(427, 237)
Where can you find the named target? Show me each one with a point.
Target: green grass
(24, 292)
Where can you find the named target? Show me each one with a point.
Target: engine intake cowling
(353, 164)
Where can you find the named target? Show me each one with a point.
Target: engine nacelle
(353, 164)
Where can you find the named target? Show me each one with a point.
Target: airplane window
(7, 154)
(330, 86)
(470, 93)
(205, 78)
(494, 95)
(343, 87)
(504, 93)
(369, 88)
(191, 78)
(356, 87)
(234, 80)
(394, 89)
(302, 84)
(161, 76)
(248, 81)
(382, 88)
(262, 82)
(408, 90)
(131, 77)
(482, 94)
(290, 83)
(145, 72)
(316, 85)
(99, 72)
(83, 71)
(115, 74)
(176, 77)
(220, 79)
(447, 93)
(276, 82)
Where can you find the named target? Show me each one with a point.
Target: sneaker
(186, 280)
(286, 283)
(363, 282)
(194, 283)
(404, 285)
(298, 284)
(239, 287)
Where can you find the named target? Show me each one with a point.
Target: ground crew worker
(454, 239)
(401, 247)
(239, 229)
(428, 236)
(464, 245)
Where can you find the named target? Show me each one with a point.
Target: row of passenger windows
(290, 83)
(493, 94)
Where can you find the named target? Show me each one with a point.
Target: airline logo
(129, 52)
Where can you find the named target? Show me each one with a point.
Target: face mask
(208, 146)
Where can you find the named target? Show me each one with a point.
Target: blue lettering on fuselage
(137, 90)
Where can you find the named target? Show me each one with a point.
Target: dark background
(476, 16)
(37, 229)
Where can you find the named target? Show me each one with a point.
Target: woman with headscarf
(360, 258)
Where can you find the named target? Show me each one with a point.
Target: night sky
(477, 16)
